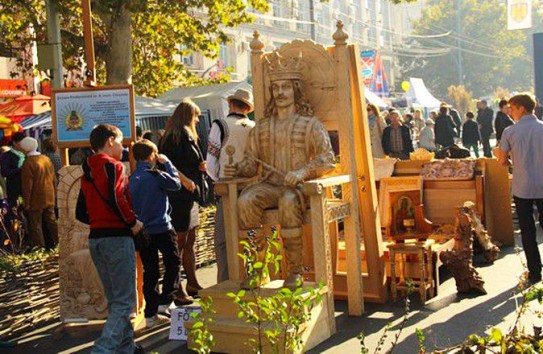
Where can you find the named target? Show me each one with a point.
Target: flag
(379, 84)
(519, 14)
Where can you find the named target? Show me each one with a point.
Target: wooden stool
(423, 252)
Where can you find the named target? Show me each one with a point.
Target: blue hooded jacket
(148, 188)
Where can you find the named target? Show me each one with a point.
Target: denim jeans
(525, 213)
(115, 261)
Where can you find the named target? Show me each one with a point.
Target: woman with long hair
(180, 144)
(377, 126)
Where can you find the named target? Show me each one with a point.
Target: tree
(460, 98)
(491, 55)
(134, 39)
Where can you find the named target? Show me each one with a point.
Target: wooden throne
(333, 86)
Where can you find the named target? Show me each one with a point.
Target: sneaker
(157, 319)
(166, 308)
(138, 349)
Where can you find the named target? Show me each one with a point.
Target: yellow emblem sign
(519, 10)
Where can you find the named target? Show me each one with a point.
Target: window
(304, 14)
(224, 55)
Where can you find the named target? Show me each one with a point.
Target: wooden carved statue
(81, 291)
(291, 146)
(490, 250)
(459, 260)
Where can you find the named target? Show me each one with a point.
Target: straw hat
(244, 96)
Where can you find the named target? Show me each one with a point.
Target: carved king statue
(291, 146)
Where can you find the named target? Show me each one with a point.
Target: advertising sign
(75, 112)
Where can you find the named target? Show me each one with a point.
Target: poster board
(75, 112)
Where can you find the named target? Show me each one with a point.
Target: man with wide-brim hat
(231, 132)
(244, 96)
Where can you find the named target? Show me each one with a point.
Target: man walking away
(503, 120)
(231, 131)
(523, 143)
(470, 134)
(485, 115)
(444, 129)
(38, 188)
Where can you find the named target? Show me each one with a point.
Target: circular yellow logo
(74, 121)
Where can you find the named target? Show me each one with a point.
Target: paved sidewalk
(446, 319)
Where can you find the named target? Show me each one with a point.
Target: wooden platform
(232, 333)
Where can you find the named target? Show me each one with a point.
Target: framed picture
(396, 184)
(75, 112)
(403, 218)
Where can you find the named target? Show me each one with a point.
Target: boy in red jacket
(113, 224)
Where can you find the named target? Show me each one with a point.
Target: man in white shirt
(232, 132)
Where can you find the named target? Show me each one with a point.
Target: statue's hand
(230, 170)
(293, 178)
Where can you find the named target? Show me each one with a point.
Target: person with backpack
(106, 204)
(230, 131)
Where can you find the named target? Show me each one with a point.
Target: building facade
(373, 24)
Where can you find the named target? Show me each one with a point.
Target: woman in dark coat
(180, 144)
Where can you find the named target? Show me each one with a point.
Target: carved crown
(280, 68)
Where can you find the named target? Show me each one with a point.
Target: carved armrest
(317, 186)
(221, 187)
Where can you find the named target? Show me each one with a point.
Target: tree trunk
(119, 54)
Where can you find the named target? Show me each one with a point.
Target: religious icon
(74, 121)
(405, 214)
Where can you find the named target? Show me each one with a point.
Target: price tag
(179, 317)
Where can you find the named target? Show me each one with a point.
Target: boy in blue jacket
(148, 188)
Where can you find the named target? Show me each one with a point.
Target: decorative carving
(490, 250)
(338, 210)
(340, 37)
(421, 154)
(318, 76)
(256, 44)
(81, 292)
(459, 260)
(449, 169)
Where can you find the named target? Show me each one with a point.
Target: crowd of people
(395, 135)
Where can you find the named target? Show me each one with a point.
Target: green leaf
(496, 335)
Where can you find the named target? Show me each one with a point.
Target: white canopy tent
(374, 99)
(209, 97)
(419, 96)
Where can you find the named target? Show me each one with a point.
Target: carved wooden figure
(490, 250)
(459, 260)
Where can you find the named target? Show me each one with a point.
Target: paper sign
(179, 317)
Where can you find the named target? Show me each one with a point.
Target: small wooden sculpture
(490, 250)
(459, 260)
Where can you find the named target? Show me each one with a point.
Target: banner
(367, 58)
(519, 14)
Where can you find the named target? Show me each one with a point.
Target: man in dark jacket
(397, 138)
(502, 120)
(444, 129)
(470, 134)
(455, 116)
(485, 115)
(11, 164)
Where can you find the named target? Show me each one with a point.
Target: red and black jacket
(105, 186)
